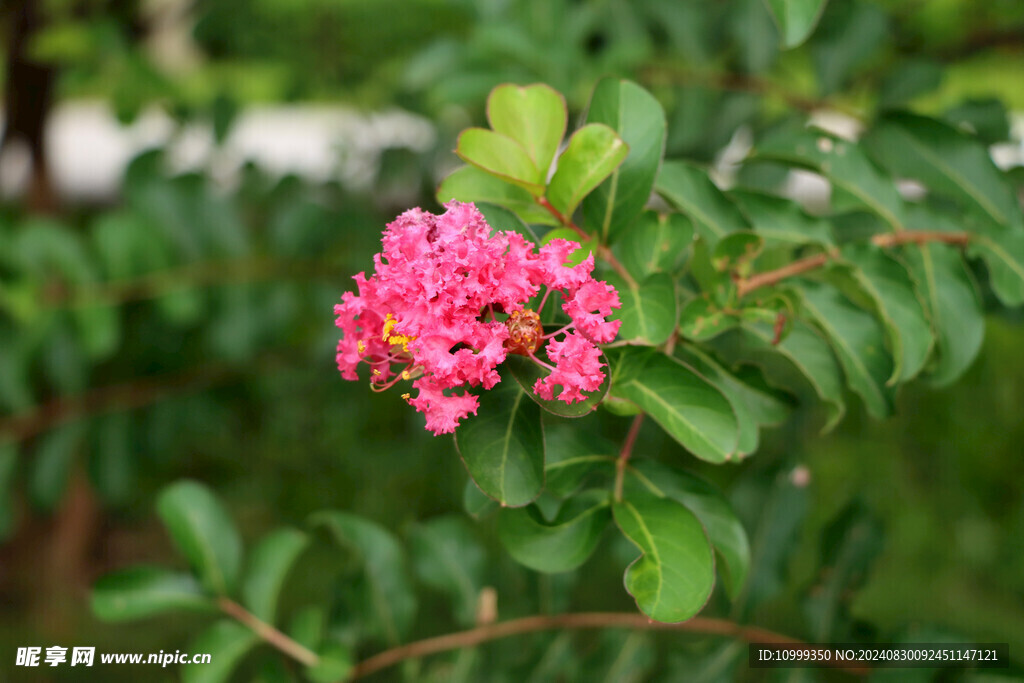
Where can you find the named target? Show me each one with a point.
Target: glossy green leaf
(690, 190)
(844, 164)
(753, 408)
(687, 406)
(593, 153)
(796, 19)
(849, 33)
(701, 320)
(953, 306)
(475, 502)
(895, 296)
(783, 220)
(381, 595)
(632, 112)
(674, 576)
(51, 464)
(724, 528)
(985, 117)
(648, 311)
(859, 343)
(470, 184)
(227, 642)
(658, 243)
(268, 566)
(1003, 255)
(503, 446)
(562, 544)
(502, 157)
(535, 116)
(526, 374)
(801, 357)
(203, 532)
(447, 556)
(717, 286)
(141, 592)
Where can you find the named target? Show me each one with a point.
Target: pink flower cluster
(440, 306)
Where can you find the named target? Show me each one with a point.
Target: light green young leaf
(470, 184)
(593, 153)
(203, 532)
(632, 112)
(503, 445)
(535, 116)
(502, 157)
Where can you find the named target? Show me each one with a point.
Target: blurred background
(187, 186)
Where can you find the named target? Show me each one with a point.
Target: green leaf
(203, 532)
(859, 343)
(953, 305)
(227, 642)
(562, 544)
(947, 161)
(648, 312)
(503, 446)
(907, 79)
(335, 663)
(892, 290)
(535, 116)
(736, 252)
(526, 374)
(51, 464)
(674, 576)
(657, 243)
(985, 117)
(268, 567)
(712, 509)
(593, 153)
(470, 184)
(781, 219)
(687, 406)
(502, 157)
(381, 595)
(475, 502)
(802, 356)
(1004, 257)
(844, 164)
(701, 320)
(448, 556)
(574, 457)
(753, 408)
(796, 19)
(690, 190)
(849, 545)
(141, 592)
(638, 118)
(849, 33)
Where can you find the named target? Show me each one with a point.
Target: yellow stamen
(361, 345)
(406, 396)
(376, 372)
(405, 374)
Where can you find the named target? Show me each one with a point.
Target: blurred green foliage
(187, 331)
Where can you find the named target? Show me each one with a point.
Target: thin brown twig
(747, 285)
(546, 622)
(268, 633)
(602, 250)
(625, 453)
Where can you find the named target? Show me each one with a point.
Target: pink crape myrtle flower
(446, 304)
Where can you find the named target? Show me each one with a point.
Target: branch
(602, 250)
(544, 622)
(268, 633)
(625, 453)
(891, 239)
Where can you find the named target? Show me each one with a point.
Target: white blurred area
(88, 149)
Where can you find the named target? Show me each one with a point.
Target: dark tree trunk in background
(28, 96)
